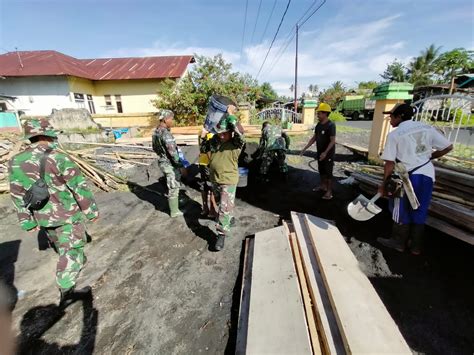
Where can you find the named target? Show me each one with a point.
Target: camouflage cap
(39, 127)
(163, 114)
(226, 124)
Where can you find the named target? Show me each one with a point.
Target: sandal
(327, 197)
(319, 189)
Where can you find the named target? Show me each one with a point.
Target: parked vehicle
(356, 107)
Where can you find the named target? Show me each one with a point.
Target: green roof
(393, 91)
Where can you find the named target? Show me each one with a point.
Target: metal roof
(39, 63)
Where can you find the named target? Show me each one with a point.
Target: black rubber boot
(400, 234)
(72, 295)
(219, 242)
(417, 233)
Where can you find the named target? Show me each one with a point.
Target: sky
(346, 40)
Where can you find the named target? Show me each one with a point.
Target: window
(79, 99)
(118, 100)
(108, 100)
(90, 101)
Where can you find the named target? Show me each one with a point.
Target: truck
(356, 107)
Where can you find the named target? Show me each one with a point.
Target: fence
(280, 114)
(452, 114)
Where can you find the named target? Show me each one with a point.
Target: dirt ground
(158, 289)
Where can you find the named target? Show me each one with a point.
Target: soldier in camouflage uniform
(169, 161)
(225, 148)
(273, 145)
(63, 215)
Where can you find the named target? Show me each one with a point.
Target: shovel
(363, 209)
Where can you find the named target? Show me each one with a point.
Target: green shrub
(465, 118)
(336, 116)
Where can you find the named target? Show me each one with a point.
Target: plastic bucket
(243, 177)
(215, 111)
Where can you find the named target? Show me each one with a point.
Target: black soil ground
(158, 289)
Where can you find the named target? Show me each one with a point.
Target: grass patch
(463, 151)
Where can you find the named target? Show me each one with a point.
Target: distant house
(46, 80)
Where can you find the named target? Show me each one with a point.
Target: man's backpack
(37, 195)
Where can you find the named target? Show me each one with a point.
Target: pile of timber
(452, 207)
(304, 293)
(10, 145)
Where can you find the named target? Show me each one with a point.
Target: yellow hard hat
(323, 107)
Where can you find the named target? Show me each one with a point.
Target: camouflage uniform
(168, 159)
(224, 192)
(70, 199)
(273, 144)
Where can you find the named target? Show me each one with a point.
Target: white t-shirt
(412, 144)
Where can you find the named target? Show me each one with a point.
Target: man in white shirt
(413, 144)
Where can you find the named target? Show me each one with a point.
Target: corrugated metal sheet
(36, 63)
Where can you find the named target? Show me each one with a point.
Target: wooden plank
(329, 335)
(308, 306)
(242, 327)
(276, 323)
(365, 324)
(450, 229)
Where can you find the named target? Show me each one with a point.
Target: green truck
(356, 107)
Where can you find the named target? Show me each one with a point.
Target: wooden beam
(242, 327)
(329, 335)
(308, 306)
(365, 324)
(276, 323)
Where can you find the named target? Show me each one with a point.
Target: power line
(281, 52)
(245, 25)
(288, 40)
(301, 24)
(268, 21)
(256, 21)
(274, 38)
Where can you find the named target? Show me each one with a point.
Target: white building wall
(38, 95)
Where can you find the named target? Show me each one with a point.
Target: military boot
(417, 232)
(400, 234)
(72, 295)
(219, 242)
(173, 203)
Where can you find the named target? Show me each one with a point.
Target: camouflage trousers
(269, 156)
(69, 240)
(225, 198)
(173, 178)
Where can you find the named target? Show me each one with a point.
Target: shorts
(205, 173)
(401, 209)
(326, 167)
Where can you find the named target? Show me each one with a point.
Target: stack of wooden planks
(304, 293)
(452, 207)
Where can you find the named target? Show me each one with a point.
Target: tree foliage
(188, 98)
(367, 85)
(395, 71)
(333, 94)
(431, 66)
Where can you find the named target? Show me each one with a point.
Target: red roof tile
(36, 63)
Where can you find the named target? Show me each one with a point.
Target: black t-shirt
(323, 133)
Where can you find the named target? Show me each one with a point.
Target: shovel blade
(361, 209)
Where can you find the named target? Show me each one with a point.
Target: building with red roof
(46, 80)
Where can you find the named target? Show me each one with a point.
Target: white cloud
(350, 53)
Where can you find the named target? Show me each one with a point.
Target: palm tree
(421, 68)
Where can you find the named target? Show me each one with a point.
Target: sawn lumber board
(242, 327)
(330, 337)
(308, 306)
(276, 323)
(365, 324)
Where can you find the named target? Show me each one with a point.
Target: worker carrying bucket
(216, 110)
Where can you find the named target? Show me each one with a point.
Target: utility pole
(296, 72)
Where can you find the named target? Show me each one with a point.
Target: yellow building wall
(136, 95)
